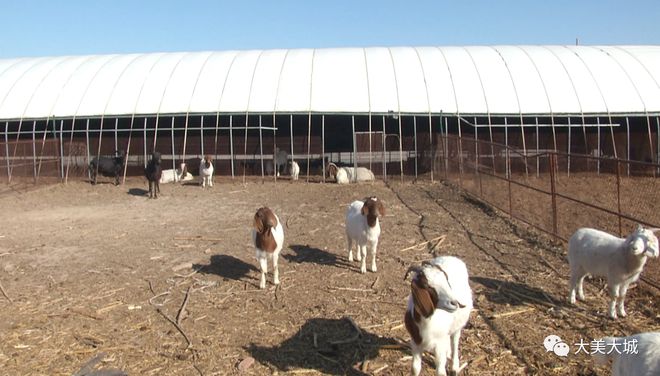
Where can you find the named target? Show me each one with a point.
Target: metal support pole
(415, 133)
(245, 141)
(116, 125)
(598, 153)
(538, 158)
(354, 148)
(291, 134)
(627, 146)
(322, 146)
(7, 150)
(568, 158)
(400, 148)
(231, 143)
(371, 151)
(172, 142)
(384, 152)
(144, 144)
(86, 145)
(431, 146)
(62, 151)
(507, 164)
(34, 151)
(201, 135)
(309, 141)
(261, 150)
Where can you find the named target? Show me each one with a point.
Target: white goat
(645, 361)
(294, 169)
(345, 175)
(363, 227)
(267, 237)
(176, 175)
(206, 171)
(621, 260)
(439, 307)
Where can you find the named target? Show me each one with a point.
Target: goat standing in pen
(206, 171)
(107, 166)
(363, 227)
(267, 237)
(439, 307)
(154, 172)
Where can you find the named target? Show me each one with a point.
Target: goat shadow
(138, 192)
(514, 293)
(305, 253)
(228, 267)
(337, 350)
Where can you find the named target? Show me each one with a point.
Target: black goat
(153, 172)
(108, 166)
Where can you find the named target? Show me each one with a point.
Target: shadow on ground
(305, 253)
(507, 292)
(226, 266)
(329, 346)
(138, 192)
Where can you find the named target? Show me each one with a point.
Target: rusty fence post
(618, 194)
(553, 192)
(508, 179)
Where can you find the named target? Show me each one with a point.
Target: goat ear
(258, 223)
(425, 299)
(365, 209)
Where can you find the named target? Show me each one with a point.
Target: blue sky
(52, 28)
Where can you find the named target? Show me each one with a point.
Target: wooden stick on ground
(177, 326)
(5, 293)
(203, 238)
(182, 310)
(440, 239)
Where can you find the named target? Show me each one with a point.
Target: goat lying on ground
(363, 227)
(439, 307)
(107, 166)
(267, 237)
(153, 172)
(206, 171)
(621, 260)
(176, 175)
(345, 175)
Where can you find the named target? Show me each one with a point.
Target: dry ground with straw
(102, 278)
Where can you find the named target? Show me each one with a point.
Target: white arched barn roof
(464, 80)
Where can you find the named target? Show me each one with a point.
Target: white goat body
(363, 227)
(206, 171)
(620, 260)
(294, 170)
(346, 175)
(268, 238)
(645, 361)
(176, 175)
(438, 309)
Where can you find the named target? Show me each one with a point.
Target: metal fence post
(553, 193)
(618, 194)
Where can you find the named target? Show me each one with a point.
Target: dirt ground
(101, 272)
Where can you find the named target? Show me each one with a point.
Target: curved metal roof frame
(479, 80)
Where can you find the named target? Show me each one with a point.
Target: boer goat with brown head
(439, 307)
(267, 237)
(363, 227)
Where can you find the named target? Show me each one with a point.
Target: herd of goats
(440, 300)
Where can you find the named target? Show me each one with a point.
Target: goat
(645, 361)
(176, 175)
(280, 158)
(206, 171)
(107, 166)
(267, 237)
(294, 169)
(363, 227)
(154, 173)
(621, 260)
(438, 309)
(345, 175)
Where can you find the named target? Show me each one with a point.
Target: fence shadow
(226, 266)
(514, 293)
(305, 253)
(329, 346)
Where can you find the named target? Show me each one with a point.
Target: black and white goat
(268, 238)
(363, 227)
(439, 307)
(107, 166)
(154, 172)
(206, 171)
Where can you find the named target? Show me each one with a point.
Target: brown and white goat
(206, 171)
(363, 227)
(267, 237)
(439, 307)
